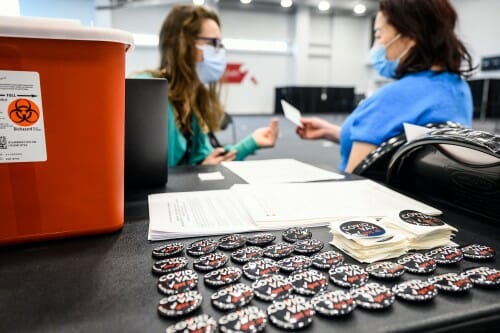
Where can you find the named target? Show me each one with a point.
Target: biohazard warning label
(22, 132)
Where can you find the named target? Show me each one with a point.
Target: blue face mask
(384, 66)
(213, 65)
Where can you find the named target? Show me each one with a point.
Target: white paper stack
(368, 239)
(421, 230)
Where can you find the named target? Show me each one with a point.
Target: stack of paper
(421, 230)
(190, 214)
(368, 239)
(283, 205)
(271, 206)
(279, 171)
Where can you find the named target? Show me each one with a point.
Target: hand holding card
(291, 113)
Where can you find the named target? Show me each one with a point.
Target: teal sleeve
(201, 146)
(245, 147)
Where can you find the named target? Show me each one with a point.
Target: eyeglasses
(215, 42)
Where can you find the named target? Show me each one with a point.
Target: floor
(321, 153)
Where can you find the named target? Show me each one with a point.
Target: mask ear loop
(398, 36)
(404, 52)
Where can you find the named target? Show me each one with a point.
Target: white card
(414, 131)
(291, 113)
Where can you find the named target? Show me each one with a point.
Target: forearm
(332, 133)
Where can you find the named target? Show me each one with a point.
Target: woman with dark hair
(415, 43)
(193, 60)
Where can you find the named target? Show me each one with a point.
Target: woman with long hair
(193, 59)
(415, 44)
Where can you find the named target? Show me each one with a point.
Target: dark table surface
(104, 283)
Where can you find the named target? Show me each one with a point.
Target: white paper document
(323, 202)
(210, 176)
(291, 113)
(189, 214)
(247, 207)
(279, 171)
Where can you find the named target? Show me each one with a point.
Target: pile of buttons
(255, 279)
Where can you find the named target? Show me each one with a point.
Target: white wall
(350, 48)
(268, 70)
(82, 10)
(330, 50)
(479, 27)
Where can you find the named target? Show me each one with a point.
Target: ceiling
(337, 6)
(343, 7)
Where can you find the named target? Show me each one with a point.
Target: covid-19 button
(348, 275)
(177, 282)
(250, 319)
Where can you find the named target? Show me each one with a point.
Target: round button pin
(167, 250)
(250, 319)
(308, 246)
(291, 313)
(169, 265)
(415, 290)
(180, 304)
(210, 261)
(385, 270)
(272, 287)
(348, 275)
(420, 219)
(308, 282)
(231, 242)
(294, 263)
(177, 282)
(260, 268)
(373, 296)
(232, 297)
(223, 276)
(328, 259)
(201, 247)
(418, 263)
(446, 255)
(333, 303)
(199, 324)
(483, 276)
(247, 254)
(279, 250)
(261, 239)
(362, 229)
(478, 252)
(451, 282)
(294, 234)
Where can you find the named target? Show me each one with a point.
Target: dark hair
(431, 23)
(178, 64)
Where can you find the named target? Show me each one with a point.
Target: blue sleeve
(377, 118)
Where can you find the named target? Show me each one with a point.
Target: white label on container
(22, 132)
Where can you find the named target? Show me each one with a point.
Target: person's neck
(437, 68)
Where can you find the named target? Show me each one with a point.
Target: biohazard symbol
(23, 112)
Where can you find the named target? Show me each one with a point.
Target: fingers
(230, 156)
(274, 124)
(306, 121)
(300, 132)
(219, 155)
(218, 151)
